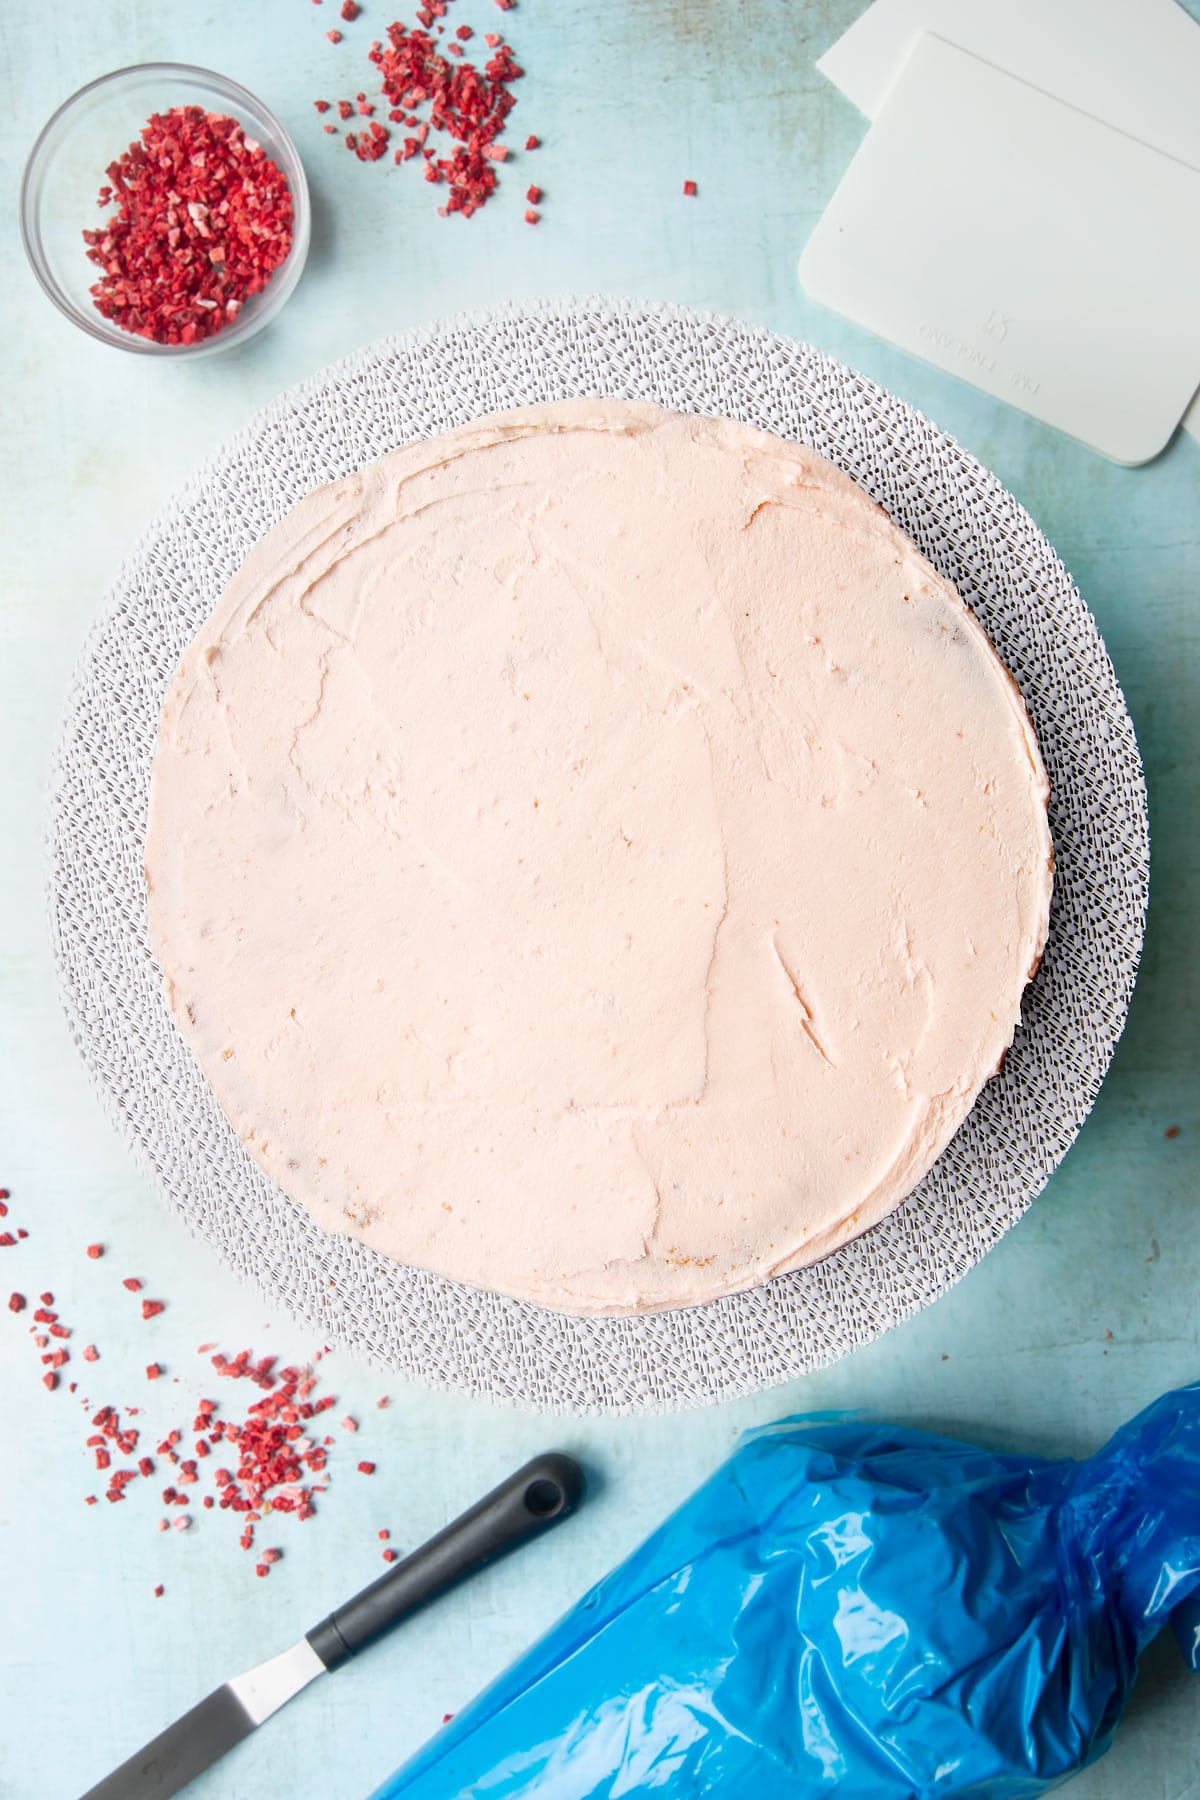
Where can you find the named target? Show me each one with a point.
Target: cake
(595, 857)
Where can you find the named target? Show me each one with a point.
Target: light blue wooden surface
(1086, 1311)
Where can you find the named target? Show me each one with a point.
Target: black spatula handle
(528, 1503)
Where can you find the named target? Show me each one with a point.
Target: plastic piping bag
(859, 1609)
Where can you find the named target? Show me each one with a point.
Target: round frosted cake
(594, 856)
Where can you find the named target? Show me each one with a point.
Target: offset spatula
(536, 1497)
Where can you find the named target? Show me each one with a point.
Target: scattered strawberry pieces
(384, 1535)
(350, 10)
(95, 1251)
(132, 1283)
(389, 1556)
(349, 1424)
(7, 1240)
(272, 1459)
(468, 104)
(532, 215)
(335, 37)
(533, 195)
(532, 143)
(262, 1568)
(159, 1591)
(322, 106)
(689, 188)
(370, 145)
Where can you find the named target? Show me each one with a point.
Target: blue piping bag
(855, 1609)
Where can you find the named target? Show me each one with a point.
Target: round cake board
(440, 1333)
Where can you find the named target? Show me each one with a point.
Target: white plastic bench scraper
(1134, 64)
(1015, 241)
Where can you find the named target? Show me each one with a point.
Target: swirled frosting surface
(594, 856)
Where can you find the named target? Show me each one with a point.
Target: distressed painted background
(1085, 1312)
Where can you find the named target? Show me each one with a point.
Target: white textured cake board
(440, 1333)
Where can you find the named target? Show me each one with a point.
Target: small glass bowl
(66, 170)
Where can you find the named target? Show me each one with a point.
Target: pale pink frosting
(594, 856)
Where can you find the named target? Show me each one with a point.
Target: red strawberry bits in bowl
(164, 210)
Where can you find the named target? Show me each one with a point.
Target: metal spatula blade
(221, 1720)
(546, 1490)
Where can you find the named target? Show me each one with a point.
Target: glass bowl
(66, 170)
